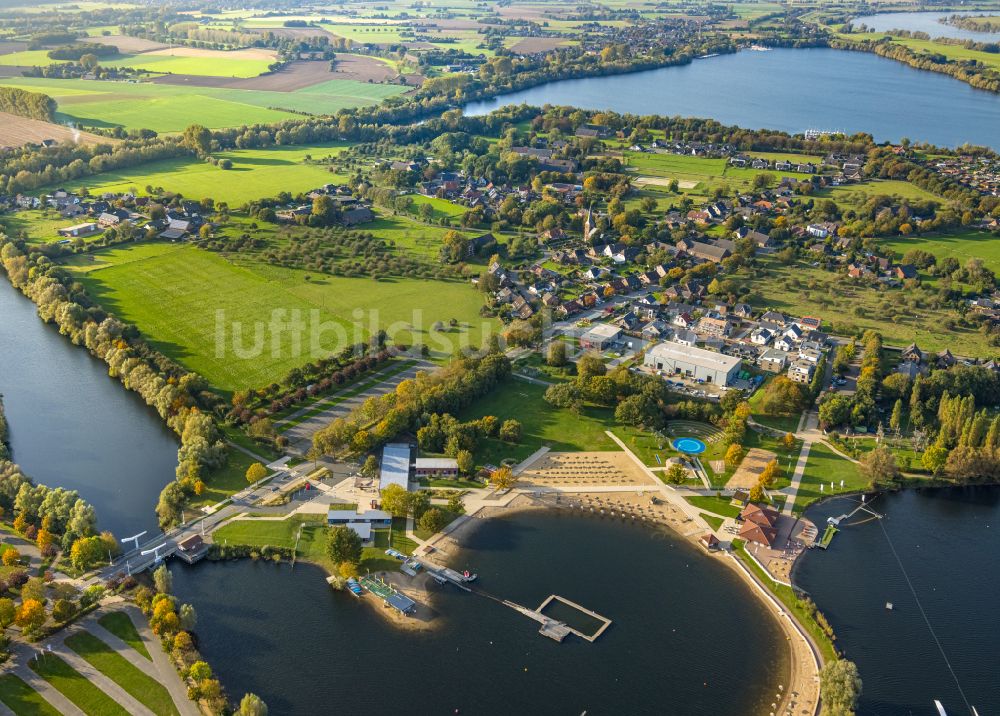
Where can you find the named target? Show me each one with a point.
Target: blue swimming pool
(691, 446)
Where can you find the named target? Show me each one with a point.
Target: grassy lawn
(787, 597)
(542, 424)
(279, 533)
(823, 467)
(224, 482)
(715, 505)
(119, 624)
(144, 689)
(957, 53)
(68, 681)
(256, 173)
(178, 296)
(22, 699)
(714, 522)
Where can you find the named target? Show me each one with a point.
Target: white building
(600, 337)
(395, 466)
(691, 362)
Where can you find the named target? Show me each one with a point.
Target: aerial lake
(929, 22)
(790, 90)
(73, 426)
(688, 637)
(947, 542)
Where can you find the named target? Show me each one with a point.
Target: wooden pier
(555, 629)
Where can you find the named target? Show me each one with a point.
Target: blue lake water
(791, 90)
(73, 426)
(928, 22)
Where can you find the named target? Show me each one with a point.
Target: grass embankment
(178, 295)
(713, 521)
(716, 505)
(71, 684)
(786, 596)
(119, 624)
(22, 699)
(146, 690)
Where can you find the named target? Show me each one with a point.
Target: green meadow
(256, 173)
(962, 245)
(171, 108)
(188, 302)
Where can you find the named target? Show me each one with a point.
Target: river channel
(73, 426)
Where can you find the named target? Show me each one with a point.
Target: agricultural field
(956, 53)
(171, 108)
(16, 131)
(213, 316)
(172, 60)
(256, 173)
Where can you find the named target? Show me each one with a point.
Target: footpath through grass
(142, 688)
(119, 624)
(22, 699)
(72, 684)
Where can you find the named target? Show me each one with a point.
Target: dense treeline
(73, 53)
(971, 72)
(975, 23)
(33, 105)
(179, 397)
(406, 409)
(29, 169)
(4, 434)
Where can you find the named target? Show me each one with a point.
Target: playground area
(565, 469)
(689, 446)
(748, 473)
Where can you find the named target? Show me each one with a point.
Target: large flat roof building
(395, 466)
(691, 362)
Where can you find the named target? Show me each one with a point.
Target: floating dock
(828, 534)
(555, 629)
(389, 594)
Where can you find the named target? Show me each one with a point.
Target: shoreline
(804, 658)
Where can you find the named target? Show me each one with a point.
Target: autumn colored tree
(770, 474)
(11, 557)
(503, 478)
(676, 474)
(256, 472)
(30, 615)
(734, 454)
(788, 441)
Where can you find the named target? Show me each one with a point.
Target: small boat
(394, 553)
(355, 587)
(467, 577)
(888, 605)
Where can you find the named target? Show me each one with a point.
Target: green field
(542, 424)
(956, 53)
(68, 681)
(116, 667)
(256, 173)
(171, 108)
(823, 467)
(962, 245)
(22, 699)
(180, 296)
(163, 64)
(119, 624)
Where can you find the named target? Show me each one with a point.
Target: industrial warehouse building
(693, 363)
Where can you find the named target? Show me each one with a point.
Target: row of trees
(174, 393)
(410, 405)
